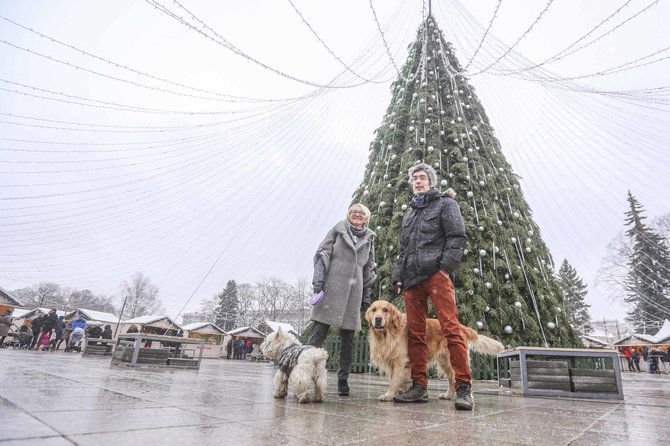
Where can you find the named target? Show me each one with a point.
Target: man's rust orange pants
(440, 289)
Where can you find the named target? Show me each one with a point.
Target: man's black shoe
(464, 398)
(416, 394)
(342, 387)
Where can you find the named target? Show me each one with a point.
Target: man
(431, 246)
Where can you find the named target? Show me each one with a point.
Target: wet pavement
(64, 399)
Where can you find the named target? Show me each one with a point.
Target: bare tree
(614, 266)
(44, 294)
(141, 297)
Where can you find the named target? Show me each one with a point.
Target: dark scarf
(356, 233)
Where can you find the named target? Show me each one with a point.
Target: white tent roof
(662, 335)
(284, 326)
(664, 332)
(9, 297)
(144, 320)
(198, 325)
(98, 315)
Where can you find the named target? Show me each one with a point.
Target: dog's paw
(280, 395)
(446, 395)
(304, 399)
(386, 397)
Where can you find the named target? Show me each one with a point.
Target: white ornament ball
(517, 304)
(482, 252)
(528, 249)
(441, 132)
(481, 228)
(465, 252)
(427, 121)
(403, 207)
(470, 194)
(471, 292)
(480, 325)
(551, 325)
(475, 270)
(443, 182)
(430, 109)
(415, 95)
(422, 140)
(389, 185)
(465, 159)
(394, 156)
(383, 287)
(382, 204)
(411, 128)
(496, 249)
(482, 183)
(507, 276)
(422, 100)
(455, 139)
(475, 128)
(392, 126)
(499, 223)
(459, 119)
(365, 192)
(487, 309)
(431, 148)
(436, 165)
(467, 177)
(442, 112)
(488, 285)
(379, 228)
(528, 240)
(452, 122)
(508, 329)
(517, 215)
(513, 239)
(530, 232)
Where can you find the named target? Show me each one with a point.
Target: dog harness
(289, 357)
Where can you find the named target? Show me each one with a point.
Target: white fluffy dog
(301, 366)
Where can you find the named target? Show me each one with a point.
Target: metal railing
(483, 367)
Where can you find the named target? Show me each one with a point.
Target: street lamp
(123, 307)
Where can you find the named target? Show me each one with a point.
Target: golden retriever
(388, 347)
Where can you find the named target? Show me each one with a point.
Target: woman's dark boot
(342, 387)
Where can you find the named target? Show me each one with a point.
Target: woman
(5, 323)
(344, 270)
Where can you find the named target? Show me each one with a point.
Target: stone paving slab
(64, 399)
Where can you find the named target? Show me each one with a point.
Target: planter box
(578, 373)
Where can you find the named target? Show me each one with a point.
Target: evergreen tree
(648, 281)
(227, 308)
(505, 284)
(574, 292)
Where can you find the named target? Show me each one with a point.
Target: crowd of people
(48, 332)
(655, 358)
(239, 348)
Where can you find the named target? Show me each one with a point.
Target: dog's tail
(488, 346)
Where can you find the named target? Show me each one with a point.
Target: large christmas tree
(505, 283)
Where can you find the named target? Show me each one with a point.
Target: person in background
(5, 323)
(229, 348)
(431, 246)
(48, 324)
(67, 331)
(107, 332)
(37, 329)
(133, 329)
(58, 329)
(636, 359)
(344, 269)
(629, 357)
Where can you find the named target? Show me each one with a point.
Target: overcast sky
(222, 140)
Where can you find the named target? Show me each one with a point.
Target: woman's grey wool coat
(349, 268)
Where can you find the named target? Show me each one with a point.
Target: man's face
(420, 182)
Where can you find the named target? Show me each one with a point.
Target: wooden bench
(130, 351)
(561, 372)
(98, 347)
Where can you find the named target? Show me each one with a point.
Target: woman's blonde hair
(362, 208)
